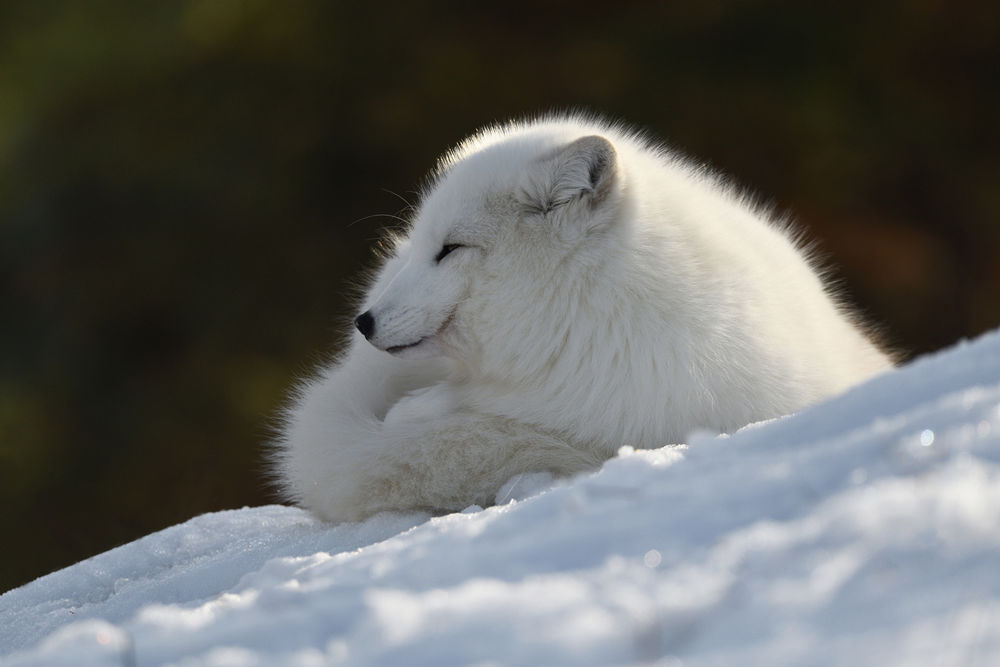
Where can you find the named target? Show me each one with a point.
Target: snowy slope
(862, 531)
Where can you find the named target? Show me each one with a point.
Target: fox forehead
(486, 171)
(476, 186)
(464, 213)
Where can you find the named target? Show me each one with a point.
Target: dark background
(178, 183)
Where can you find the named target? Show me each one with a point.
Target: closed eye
(446, 250)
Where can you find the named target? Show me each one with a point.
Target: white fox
(567, 288)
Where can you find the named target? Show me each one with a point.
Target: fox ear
(583, 171)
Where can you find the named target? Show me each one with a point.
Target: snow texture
(865, 530)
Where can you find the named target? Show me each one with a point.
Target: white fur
(607, 293)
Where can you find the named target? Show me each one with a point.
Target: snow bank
(864, 530)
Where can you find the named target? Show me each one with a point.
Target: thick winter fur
(566, 289)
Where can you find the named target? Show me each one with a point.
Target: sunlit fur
(607, 293)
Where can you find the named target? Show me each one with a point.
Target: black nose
(365, 324)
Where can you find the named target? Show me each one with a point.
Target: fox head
(500, 248)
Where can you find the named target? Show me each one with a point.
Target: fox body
(566, 288)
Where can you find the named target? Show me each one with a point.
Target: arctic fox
(566, 288)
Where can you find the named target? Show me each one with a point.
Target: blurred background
(186, 190)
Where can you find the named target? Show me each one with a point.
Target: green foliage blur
(187, 189)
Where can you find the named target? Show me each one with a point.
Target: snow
(865, 530)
